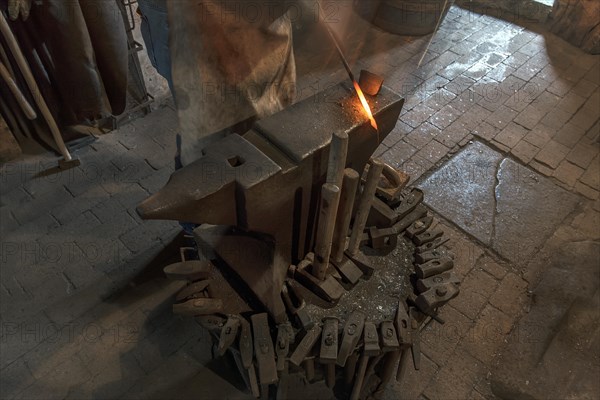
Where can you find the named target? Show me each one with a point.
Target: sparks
(365, 105)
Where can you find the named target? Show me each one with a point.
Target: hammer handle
(21, 100)
(344, 215)
(364, 207)
(360, 376)
(338, 150)
(330, 197)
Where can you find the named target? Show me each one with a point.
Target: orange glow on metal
(365, 105)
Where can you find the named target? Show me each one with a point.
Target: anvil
(259, 191)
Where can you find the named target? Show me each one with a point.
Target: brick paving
(84, 317)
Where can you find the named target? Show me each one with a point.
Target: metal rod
(364, 207)
(330, 198)
(336, 43)
(344, 215)
(355, 84)
(33, 87)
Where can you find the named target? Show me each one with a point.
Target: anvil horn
(206, 191)
(189, 197)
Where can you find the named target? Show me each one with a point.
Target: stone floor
(502, 116)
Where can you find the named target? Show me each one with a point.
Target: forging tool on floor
(370, 349)
(247, 355)
(329, 348)
(285, 336)
(228, 334)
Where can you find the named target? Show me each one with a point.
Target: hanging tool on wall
(21, 100)
(67, 161)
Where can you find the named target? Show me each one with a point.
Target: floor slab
(463, 190)
(503, 204)
(553, 351)
(529, 208)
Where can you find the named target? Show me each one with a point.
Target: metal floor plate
(505, 205)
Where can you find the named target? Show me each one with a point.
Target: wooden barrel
(367, 9)
(411, 17)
